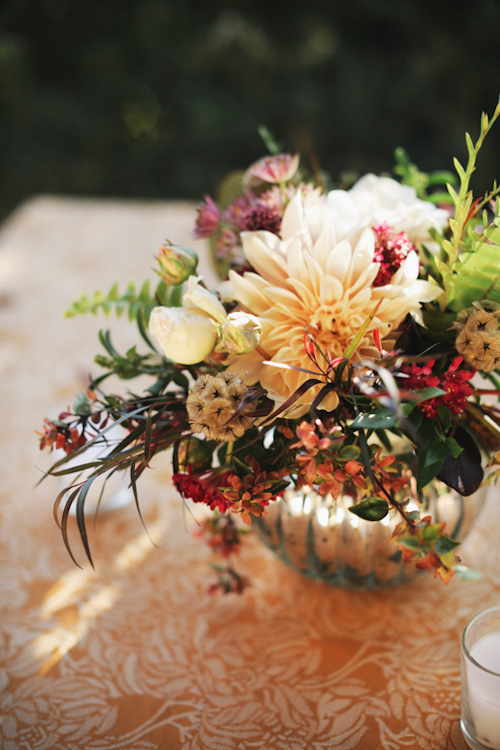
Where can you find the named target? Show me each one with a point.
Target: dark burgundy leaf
(464, 473)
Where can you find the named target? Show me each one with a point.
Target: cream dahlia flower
(371, 201)
(323, 286)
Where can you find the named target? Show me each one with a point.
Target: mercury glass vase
(319, 537)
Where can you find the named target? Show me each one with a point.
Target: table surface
(136, 655)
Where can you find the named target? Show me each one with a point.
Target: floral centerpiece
(347, 321)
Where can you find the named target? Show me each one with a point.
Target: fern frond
(134, 301)
(477, 271)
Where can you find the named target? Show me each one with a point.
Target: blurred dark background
(160, 99)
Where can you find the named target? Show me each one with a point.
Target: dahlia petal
(314, 273)
(365, 279)
(266, 261)
(362, 255)
(331, 290)
(284, 297)
(268, 239)
(293, 224)
(361, 299)
(296, 265)
(322, 248)
(302, 291)
(247, 294)
(247, 367)
(339, 260)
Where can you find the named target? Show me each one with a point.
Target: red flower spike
(454, 382)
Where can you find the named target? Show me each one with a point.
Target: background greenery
(159, 99)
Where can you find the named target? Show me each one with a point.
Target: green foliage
(466, 574)
(133, 301)
(422, 182)
(132, 364)
(380, 419)
(81, 405)
(432, 452)
(272, 145)
(371, 509)
(477, 271)
(463, 202)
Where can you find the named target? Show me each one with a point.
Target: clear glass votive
(481, 681)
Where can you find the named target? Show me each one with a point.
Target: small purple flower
(262, 217)
(237, 210)
(279, 168)
(208, 219)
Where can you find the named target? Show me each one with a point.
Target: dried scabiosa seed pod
(478, 339)
(213, 401)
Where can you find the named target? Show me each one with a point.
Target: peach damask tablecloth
(136, 655)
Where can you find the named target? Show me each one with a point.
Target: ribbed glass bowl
(322, 539)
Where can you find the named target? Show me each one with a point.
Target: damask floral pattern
(136, 655)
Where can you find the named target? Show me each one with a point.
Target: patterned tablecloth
(136, 655)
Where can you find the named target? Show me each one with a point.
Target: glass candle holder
(481, 681)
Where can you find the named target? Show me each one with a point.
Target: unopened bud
(241, 333)
(176, 263)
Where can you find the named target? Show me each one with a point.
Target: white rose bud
(185, 336)
(241, 333)
(196, 297)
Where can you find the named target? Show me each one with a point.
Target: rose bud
(176, 263)
(241, 333)
(186, 337)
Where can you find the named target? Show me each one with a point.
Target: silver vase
(319, 537)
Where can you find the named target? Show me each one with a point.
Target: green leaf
(466, 574)
(439, 197)
(430, 461)
(359, 335)
(444, 545)
(425, 393)
(279, 486)
(380, 419)
(453, 193)
(349, 453)
(371, 509)
(459, 168)
(271, 143)
(470, 145)
(240, 466)
(409, 542)
(81, 405)
(444, 415)
(441, 177)
(416, 418)
(454, 447)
